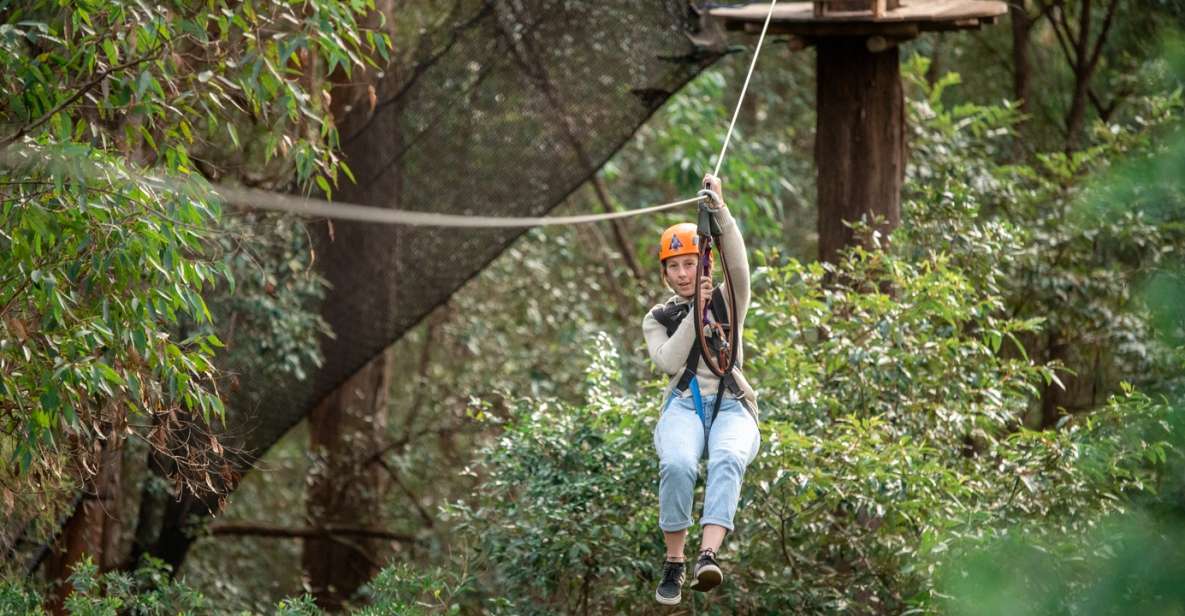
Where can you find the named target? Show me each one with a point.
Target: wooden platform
(912, 17)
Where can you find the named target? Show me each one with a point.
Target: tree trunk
(1076, 119)
(71, 547)
(93, 529)
(345, 486)
(935, 69)
(859, 141)
(1083, 69)
(1053, 396)
(1022, 25)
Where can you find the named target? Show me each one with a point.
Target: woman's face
(681, 273)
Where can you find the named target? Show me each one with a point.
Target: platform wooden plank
(919, 11)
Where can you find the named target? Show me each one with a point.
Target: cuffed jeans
(679, 438)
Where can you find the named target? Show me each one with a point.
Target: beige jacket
(669, 353)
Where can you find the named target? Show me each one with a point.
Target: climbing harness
(670, 316)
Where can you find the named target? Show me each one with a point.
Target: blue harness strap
(697, 398)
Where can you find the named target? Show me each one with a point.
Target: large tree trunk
(859, 141)
(93, 529)
(345, 487)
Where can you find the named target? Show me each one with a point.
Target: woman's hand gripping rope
(712, 194)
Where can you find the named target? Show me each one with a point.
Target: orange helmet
(680, 239)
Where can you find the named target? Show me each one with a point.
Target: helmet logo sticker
(675, 243)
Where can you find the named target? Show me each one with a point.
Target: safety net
(504, 108)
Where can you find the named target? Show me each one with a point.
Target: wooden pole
(859, 139)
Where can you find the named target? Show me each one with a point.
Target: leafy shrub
(891, 420)
(147, 591)
(566, 517)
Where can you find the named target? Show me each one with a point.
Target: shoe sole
(707, 578)
(667, 600)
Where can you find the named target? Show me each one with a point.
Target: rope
(265, 200)
(736, 112)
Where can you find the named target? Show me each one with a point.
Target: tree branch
(1104, 111)
(415, 500)
(86, 87)
(1043, 11)
(1098, 44)
(619, 233)
(1082, 42)
(417, 398)
(1063, 39)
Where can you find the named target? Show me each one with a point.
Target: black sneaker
(707, 572)
(669, 589)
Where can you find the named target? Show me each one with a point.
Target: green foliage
(103, 267)
(270, 317)
(892, 431)
(566, 513)
(1083, 228)
(1131, 561)
(905, 341)
(1129, 565)
(148, 591)
(1127, 562)
(404, 589)
(92, 285)
(302, 606)
(19, 599)
(151, 591)
(894, 427)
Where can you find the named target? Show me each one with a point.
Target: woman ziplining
(709, 409)
(684, 348)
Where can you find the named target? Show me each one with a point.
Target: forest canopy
(978, 412)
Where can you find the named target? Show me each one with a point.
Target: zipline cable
(736, 112)
(17, 156)
(266, 200)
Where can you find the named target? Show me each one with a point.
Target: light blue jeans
(679, 438)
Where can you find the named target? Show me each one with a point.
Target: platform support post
(859, 140)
